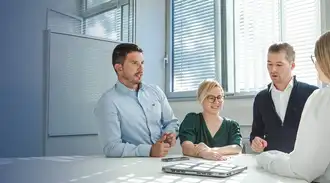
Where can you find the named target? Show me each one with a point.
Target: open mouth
(138, 75)
(215, 107)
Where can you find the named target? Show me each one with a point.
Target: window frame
(108, 6)
(225, 43)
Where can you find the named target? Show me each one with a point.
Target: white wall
(150, 35)
(21, 73)
(21, 77)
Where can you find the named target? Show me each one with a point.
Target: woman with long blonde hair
(310, 159)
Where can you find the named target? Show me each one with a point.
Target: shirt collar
(290, 85)
(121, 87)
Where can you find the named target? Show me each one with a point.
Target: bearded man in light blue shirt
(134, 118)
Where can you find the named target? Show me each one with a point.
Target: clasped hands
(203, 151)
(163, 145)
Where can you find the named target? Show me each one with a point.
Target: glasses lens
(212, 98)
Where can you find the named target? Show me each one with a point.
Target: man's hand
(160, 148)
(258, 144)
(170, 138)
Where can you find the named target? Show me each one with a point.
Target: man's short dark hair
(121, 50)
(286, 47)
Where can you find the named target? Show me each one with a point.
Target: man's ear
(293, 65)
(118, 67)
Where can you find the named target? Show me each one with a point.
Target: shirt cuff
(176, 132)
(144, 150)
(264, 159)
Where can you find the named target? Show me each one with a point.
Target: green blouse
(193, 128)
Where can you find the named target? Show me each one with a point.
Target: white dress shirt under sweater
(281, 99)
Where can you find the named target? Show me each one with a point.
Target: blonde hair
(205, 87)
(322, 53)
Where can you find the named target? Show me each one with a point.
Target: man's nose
(273, 69)
(140, 68)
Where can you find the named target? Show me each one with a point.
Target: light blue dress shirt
(131, 121)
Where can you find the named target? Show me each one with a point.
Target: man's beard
(132, 80)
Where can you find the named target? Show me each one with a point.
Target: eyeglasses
(212, 98)
(313, 59)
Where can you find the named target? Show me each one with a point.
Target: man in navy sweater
(278, 108)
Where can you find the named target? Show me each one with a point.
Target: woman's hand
(212, 155)
(200, 148)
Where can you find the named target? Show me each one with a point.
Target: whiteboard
(79, 72)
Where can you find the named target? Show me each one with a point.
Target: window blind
(255, 31)
(126, 23)
(301, 28)
(193, 49)
(292, 21)
(62, 22)
(105, 25)
(109, 19)
(92, 3)
(114, 24)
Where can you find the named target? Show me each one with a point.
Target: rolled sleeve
(235, 134)
(144, 150)
(187, 131)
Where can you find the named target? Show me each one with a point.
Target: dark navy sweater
(268, 125)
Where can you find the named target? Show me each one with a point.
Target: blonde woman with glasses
(207, 134)
(310, 159)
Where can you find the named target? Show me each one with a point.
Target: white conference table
(98, 169)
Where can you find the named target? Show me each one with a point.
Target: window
(254, 32)
(292, 21)
(193, 43)
(231, 45)
(106, 25)
(92, 3)
(193, 48)
(301, 28)
(110, 19)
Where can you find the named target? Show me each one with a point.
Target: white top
(310, 159)
(75, 169)
(281, 98)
